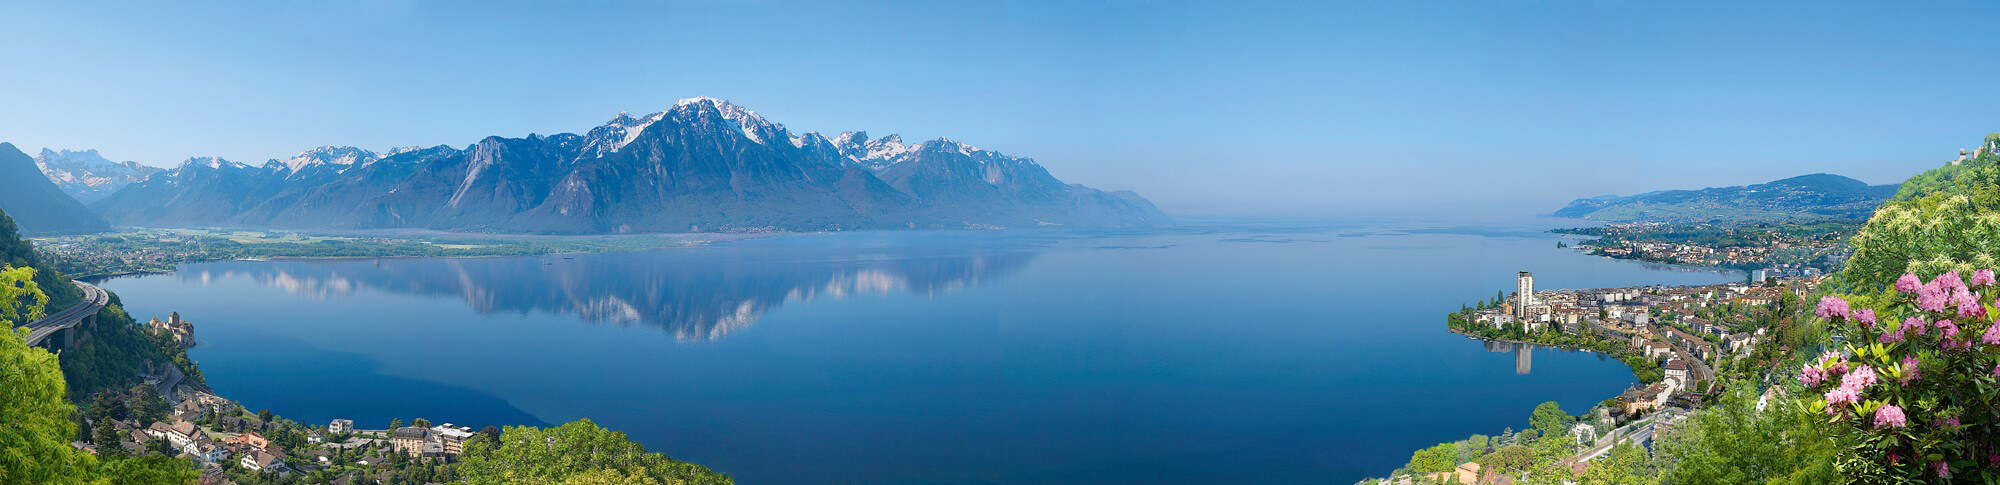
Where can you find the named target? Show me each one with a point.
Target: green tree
(1509, 459)
(578, 450)
(1442, 457)
(1945, 219)
(147, 405)
(34, 442)
(105, 436)
(1549, 418)
(149, 470)
(1626, 464)
(1732, 442)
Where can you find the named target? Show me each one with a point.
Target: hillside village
(1685, 332)
(233, 445)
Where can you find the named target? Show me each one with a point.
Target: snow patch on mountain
(87, 175)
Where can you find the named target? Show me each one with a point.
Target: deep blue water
(1271, 354)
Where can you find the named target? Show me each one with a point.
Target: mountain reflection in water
(696, 294)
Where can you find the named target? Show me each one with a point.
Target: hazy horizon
(1446, 110)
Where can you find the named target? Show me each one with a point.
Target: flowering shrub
(1916, 380)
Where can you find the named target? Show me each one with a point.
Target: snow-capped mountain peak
(88, 176)
(210, 162)
(327, 155)
(85, 159)
(753, 125)
(874, 154)
(700, 164)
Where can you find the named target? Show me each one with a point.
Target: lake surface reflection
(1265, 354)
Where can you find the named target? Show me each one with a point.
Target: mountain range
(1817, 196)
(37, 205)
(88, 176)
(703, 165)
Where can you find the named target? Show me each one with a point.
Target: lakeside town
(1679, 340)
(233, 445)
(1765, 250)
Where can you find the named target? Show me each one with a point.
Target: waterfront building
(451, 439)
(179, 331)
(409, 440)
(1524, 294)
(339, 426)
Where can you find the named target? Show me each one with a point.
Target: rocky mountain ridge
(702, 165)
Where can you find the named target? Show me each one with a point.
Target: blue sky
(1296, 109)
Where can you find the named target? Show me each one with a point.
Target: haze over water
(1218, 353)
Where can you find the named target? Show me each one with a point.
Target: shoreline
(1628, 367)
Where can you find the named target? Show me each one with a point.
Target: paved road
(94, 299)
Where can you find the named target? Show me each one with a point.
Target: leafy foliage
(113, 357)
(1434, 459)
(34, 440)
(577, 452)
(1942, 220)
(1549, 418)
(19, 253)
(34, 443)
(1732, 442)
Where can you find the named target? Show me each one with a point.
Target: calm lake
(1224, 353)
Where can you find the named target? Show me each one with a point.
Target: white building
(1524, 294)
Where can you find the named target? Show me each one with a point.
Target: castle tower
(1524, 294)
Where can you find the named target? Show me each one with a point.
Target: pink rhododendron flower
(1838, 396)
(1943, 469)
(1860, 379)
(1811, 376)
(1909, 283)
(1947, 330)
(1866, 316)
(1890, 416)
(1982, 277)
(1914, 325)
(1949, 281)
(1930, 298)
(1992, 336)
(1910, 369)
(1831, 307)
(1968, 305)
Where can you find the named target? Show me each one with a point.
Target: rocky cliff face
(702, 165)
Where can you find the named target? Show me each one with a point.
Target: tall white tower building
(1524, 294)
